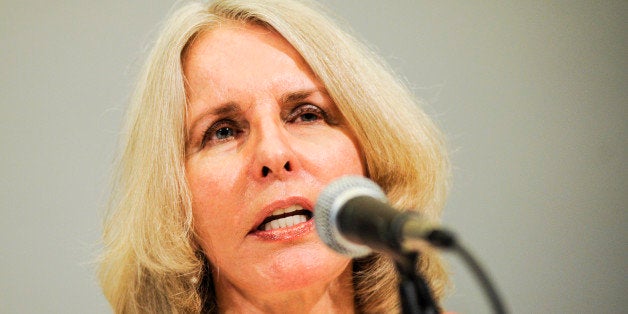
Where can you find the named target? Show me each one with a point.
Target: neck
(332, 297)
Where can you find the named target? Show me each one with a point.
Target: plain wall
(532, 96)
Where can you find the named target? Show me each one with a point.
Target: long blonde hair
(151, 262)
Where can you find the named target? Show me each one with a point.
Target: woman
(244, 112)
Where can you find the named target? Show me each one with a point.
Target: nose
(274, 154)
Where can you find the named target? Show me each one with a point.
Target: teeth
(285, 222)
(299, 219)
(286, 210)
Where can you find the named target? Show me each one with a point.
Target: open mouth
(284, 218)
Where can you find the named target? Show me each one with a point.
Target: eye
(220, 131)
(307, 113)
(224, 133)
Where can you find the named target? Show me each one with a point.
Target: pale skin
(263, 135)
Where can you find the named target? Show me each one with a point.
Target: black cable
(482, 277)
(414, 292)
(444, 239)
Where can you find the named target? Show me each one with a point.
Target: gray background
(531, 94)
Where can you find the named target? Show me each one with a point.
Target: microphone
(353, 218)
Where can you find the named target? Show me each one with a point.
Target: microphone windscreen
(331, 201)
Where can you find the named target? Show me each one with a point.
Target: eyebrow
(225, 109)
(297, 96)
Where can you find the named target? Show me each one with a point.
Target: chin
(295, 268)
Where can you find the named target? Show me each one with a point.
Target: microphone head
(329, 203)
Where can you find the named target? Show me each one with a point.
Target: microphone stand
(412, 283)
(414, 292)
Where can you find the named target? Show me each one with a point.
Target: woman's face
(264, 138)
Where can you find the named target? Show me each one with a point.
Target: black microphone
(353, 218)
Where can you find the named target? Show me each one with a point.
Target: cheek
(212, 181)
(339, 156)
(212, 204)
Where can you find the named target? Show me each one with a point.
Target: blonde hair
(151, 262)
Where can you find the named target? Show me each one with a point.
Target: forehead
(242, 64)
(234, 48)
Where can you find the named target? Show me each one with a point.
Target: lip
(287, 233)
